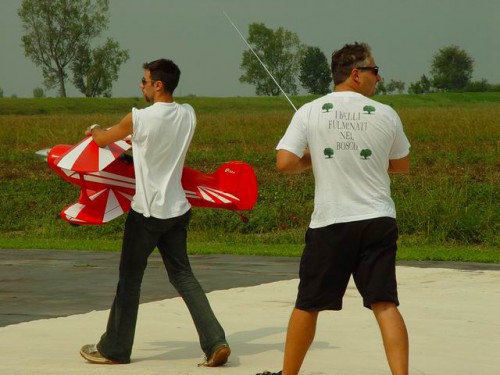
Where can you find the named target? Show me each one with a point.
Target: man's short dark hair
(166, 71)
(347, 58)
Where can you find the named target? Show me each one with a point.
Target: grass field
(447, 206)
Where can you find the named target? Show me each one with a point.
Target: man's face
(147, 87)
(368, 78)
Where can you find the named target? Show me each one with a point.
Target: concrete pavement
(52, 302)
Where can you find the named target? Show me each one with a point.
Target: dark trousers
(141, 237)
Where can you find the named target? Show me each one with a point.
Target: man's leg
(173, 250)
(394, 336)
(299, 337)
(116, 343)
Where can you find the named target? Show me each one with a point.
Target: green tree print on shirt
(365, 153)
(327, 106)
(328, 152)
(369, 109)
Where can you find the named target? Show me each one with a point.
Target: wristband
(92, 127)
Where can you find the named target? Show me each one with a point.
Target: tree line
(59, 34)
(287, 58)
(451, 70)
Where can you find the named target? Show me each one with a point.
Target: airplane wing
(97, 207)
(87, 156)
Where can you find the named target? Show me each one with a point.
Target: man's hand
(104, 137)
(88, 131)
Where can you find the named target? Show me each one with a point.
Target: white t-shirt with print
(161, 136)
(351, 139)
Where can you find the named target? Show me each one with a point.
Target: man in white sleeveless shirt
(159, 216)
(351, 143)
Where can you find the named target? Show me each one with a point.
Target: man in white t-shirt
(351, 143)
(159, 216)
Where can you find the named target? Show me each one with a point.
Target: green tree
(478, 86)
(280, 51)
(38, 92)
(55, 30)
(395, 85)
(1, 92)
(420, 87)
(315, 75)
(94, 71)
(381, 87)
(451, 69)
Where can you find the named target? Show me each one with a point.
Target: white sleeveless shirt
(161, 136)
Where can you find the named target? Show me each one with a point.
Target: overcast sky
(404, 35)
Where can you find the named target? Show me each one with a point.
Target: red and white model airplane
(107, 181)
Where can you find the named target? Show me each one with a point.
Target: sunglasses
(144, 80)
(374, 69)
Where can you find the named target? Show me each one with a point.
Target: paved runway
(38, 284)
(52, 302)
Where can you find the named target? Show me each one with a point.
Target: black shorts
(365, 249)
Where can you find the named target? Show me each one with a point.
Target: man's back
(161, 137)
(351, 139)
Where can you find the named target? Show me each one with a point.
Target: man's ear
(159, 86)
(355, 75)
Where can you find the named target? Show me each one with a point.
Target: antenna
(251, 49)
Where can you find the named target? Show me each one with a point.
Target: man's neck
(344, 86)
(163, 98)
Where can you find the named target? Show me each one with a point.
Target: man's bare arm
(288, 162)
(104, 137)
(400, 165)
